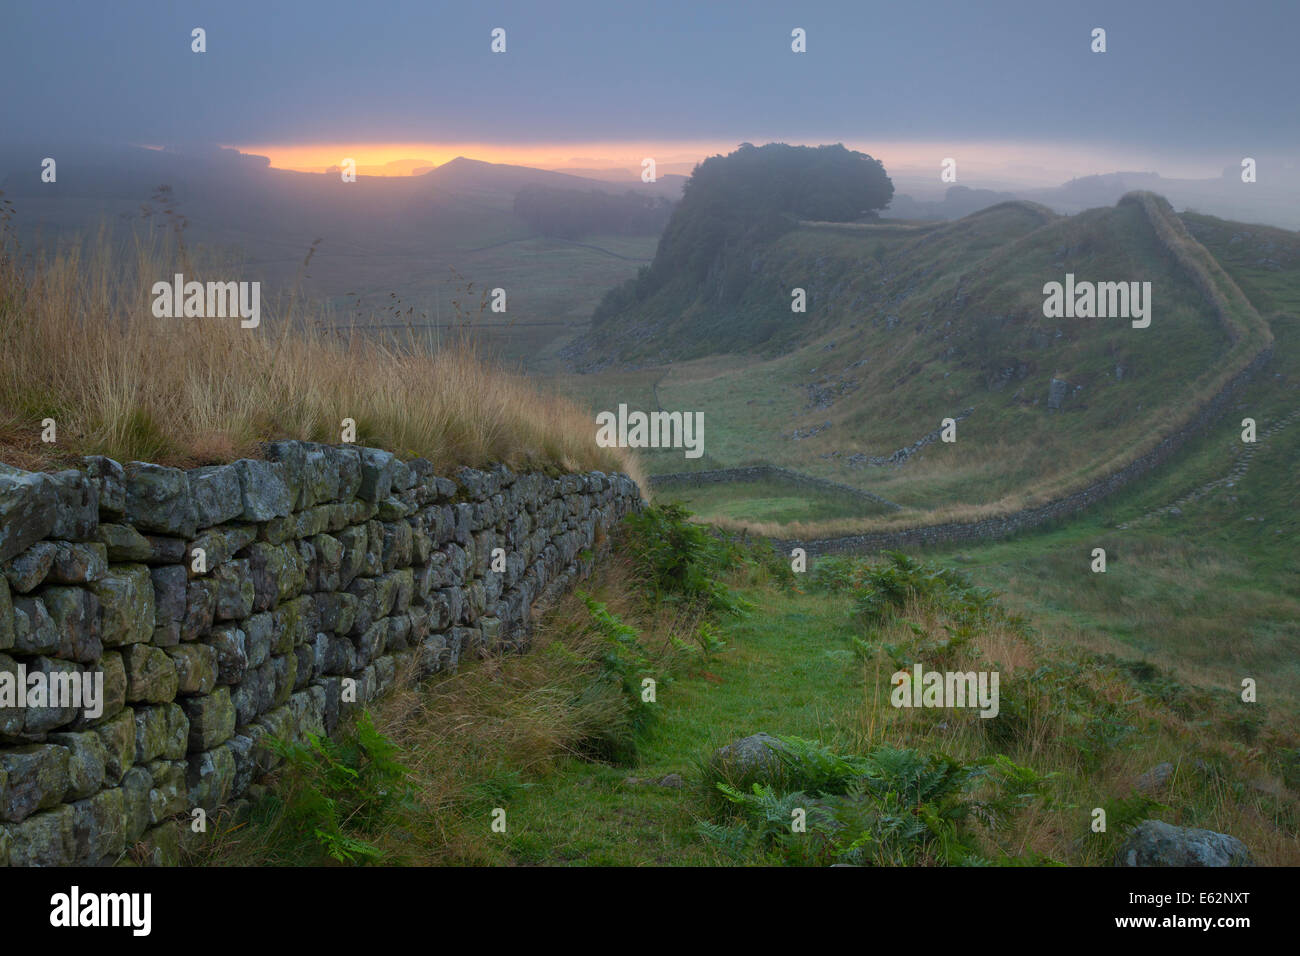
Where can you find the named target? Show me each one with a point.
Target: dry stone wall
(228, 605)
(695, 479)
(1007, 525)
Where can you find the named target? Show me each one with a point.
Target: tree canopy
(733, 204)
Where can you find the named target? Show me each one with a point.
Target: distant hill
(1274, 200)
(419, 240)
(911, 324)
(464, 173)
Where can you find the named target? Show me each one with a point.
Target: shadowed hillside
(908, 326)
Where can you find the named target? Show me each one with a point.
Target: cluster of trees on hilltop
(734, 204)
(573, 213)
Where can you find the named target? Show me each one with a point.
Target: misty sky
(1190, 78)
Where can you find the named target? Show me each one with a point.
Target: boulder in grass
(750, 760)
(1156, 843)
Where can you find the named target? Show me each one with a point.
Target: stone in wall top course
(473, 484)
(28, 509)
(158, 499)
(109, 480)
(218, 495)
(264, 491)
(377, 468)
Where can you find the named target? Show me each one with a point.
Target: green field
(767, 500)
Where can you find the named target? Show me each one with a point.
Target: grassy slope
(79, 343)
(904, 330)
(420, 247)
(1211, 592)
(768, 500)
(1189, 605)
(790, 668)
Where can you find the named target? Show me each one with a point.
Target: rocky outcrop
(1155, 843)
(220, 607)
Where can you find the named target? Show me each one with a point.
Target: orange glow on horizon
(317, 157)
(1048, 163)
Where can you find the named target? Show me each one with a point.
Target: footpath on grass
(787, 669)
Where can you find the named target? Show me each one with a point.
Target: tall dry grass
(79, 343)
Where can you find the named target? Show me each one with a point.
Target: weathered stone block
(354, 541)
(398, 542)
(335, 612)
(34, 630)
(75, 614)
(78, 563)
(126, 604)
(376, 474)
(371, 643)
(254, 695)
(277, 574)
(258, 638)
(29, 507)
(230, 644)
(78, 511)
(108, 478)
(334, 654)
(87, 759)
(169, 594)
(38, 779)
(45, 839)
(26, 570)
(218, 495)
(200, 609)
(305, 659)
(196, 668)
(235, 591)
(123, 543)
(135, 797)
(59, 681)
(284, 670)
(158, 500)
(265, 492)
(210, 777)
(320, 480)
(150, 674)
(118, 737)
(169, 790)
(212, 719)
(160, 731)
(295, 622)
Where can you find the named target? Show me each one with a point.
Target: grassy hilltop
(909, 325)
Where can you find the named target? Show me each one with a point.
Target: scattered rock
(752, 759)
(1155, 843)
(1154, 780)
(1057, 392)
